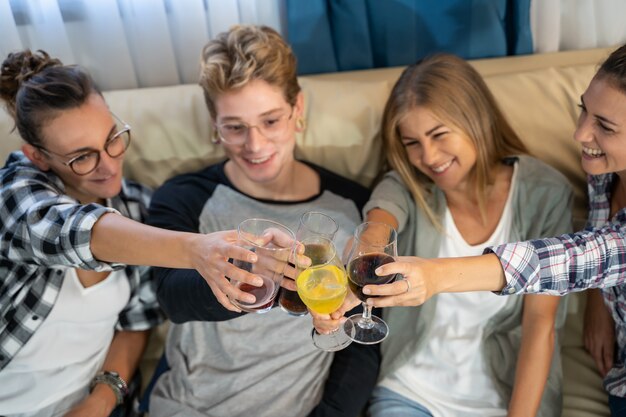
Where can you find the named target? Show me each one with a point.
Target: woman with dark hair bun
(75, 317)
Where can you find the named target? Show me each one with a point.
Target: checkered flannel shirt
(44, 232)
(594, 257)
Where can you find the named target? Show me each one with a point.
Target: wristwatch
(113, 380)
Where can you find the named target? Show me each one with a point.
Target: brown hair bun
(17, 69)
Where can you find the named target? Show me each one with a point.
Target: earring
(300, 124)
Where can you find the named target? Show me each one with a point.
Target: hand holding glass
(322, 286)
(374, 244)
(312, 224)
(273, 244)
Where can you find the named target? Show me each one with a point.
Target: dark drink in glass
(375, 244)
(273, 244)
(289, 300)
(361, 272)
(291, 303)
(317, 252)
(263, 294)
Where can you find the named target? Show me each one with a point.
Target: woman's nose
(429, 152)
(107, 163)
(584, 129)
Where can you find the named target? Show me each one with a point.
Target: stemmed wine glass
(322, 285)
(374, 244)
(312, 224)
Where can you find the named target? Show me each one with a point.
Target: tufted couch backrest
(538, 93)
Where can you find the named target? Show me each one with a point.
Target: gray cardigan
(542, 203)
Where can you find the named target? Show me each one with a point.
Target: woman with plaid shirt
(592, 258)
(74, 318)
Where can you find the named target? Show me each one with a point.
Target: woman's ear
(36, 157)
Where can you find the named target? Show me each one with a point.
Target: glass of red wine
(374, 244)
(313, 224)
(273, 244)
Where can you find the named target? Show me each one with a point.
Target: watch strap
(113, 380)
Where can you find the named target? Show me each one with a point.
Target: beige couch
(538, 93)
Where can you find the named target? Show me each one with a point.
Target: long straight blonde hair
(456, 94)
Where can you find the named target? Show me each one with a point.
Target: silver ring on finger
(408, 285)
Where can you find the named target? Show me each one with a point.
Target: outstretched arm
(44, 226)
(428, 277)
(592, 258)
(137, 243)
(555, 266)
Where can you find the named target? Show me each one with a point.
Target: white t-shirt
(62, 357)
(449, 375)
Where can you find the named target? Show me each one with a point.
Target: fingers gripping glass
(237, 132)
(374, 245)
(322, 285)
(312, 224)
(88, 161)
(273, 244)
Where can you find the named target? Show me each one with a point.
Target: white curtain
(129, 43)
(559, 25)
(145, 43)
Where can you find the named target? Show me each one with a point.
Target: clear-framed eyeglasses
(88, 161)
(237, 133)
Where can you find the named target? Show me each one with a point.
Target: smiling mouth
(104, 179)
(257, 161)
(594, 153)
(439, 169)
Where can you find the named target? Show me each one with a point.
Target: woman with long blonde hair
(462, 180)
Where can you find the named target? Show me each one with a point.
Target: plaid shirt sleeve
(41, 224)
(593, 258)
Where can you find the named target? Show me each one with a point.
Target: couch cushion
(171, 131)
(541, 105)
(343, 124)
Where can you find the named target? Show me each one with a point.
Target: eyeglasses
(88, 161)
(236, 133)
